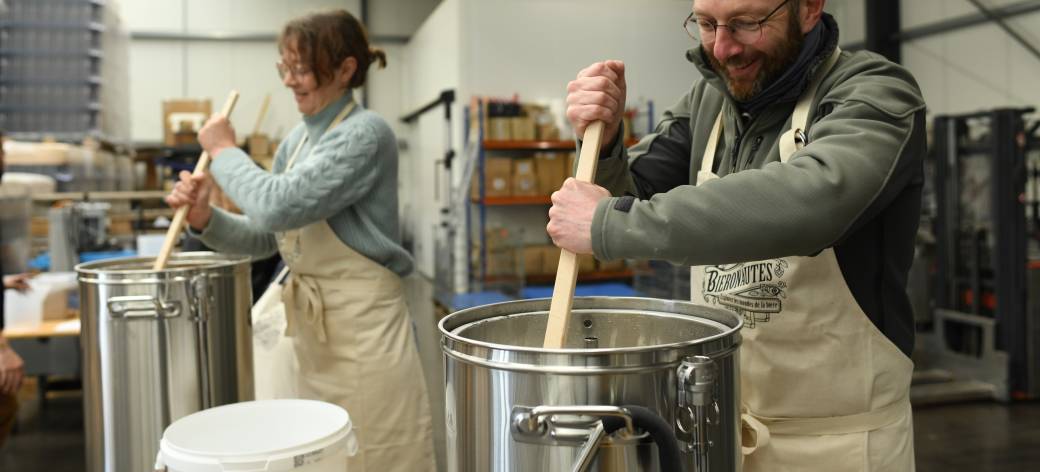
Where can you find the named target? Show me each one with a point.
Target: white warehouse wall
(165, 69)
(974, 68)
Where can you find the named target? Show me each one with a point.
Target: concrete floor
(977, 437)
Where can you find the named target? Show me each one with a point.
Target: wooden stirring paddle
(567, 273)
(182, 212)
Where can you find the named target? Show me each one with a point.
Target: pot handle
(141, 306)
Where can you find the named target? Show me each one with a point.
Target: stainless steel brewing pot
(159, 345)
(514, 406)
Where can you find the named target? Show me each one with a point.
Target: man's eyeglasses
(743, 29)
(298, 71)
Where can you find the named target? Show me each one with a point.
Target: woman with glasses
(330, 208)
(789, 178)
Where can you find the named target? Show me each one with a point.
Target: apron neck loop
(335, 121)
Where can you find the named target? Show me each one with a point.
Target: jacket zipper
(755, 145)
(735, 155)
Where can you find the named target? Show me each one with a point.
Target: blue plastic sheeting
(470, 300)
(43, 261)
(605, 289)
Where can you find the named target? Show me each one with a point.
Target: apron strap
(795, 138)
(302, 298)
(753, 433)
(302, 293)
(335, 121)
(708, 161)
(832, 425)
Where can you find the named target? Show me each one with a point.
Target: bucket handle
(141, 306)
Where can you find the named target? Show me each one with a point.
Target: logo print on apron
(755, 290)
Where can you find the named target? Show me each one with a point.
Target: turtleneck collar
(317, 123)
(818, 45)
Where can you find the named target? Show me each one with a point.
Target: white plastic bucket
(261, 436)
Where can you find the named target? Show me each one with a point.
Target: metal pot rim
(587, 303)
(94, 271)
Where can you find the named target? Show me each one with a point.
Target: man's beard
(772, 66)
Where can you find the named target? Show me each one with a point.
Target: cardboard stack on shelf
(182, 118)
(521, 174)
(259, 145)
(74, 167)
(501, 255)
(261, 148)
(551, 169)
(524, 162)
(515, 121)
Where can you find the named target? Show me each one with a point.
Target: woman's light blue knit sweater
(347, 176)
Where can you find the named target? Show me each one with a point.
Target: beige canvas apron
(822, 388)
(353, 341)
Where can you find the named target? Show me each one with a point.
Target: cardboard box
(525, 180)
(533, 260)
(547, 132)
(550, 258)
(501, 262)
(267, 162)
(259, 145)
(544, 122)
(612, 266)
(498, 173)
(586, 263)
(552, 171)
(183, 114)
(499, 128)
(522, 128)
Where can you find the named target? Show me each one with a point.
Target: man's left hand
(216, 135)
(570, 218)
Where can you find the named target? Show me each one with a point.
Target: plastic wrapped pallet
(67, 164)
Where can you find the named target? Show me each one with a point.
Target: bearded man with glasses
(789, 177)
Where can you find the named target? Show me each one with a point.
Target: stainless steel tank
(514, 406)
(159, 345)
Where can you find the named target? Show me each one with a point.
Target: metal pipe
(960, 22)
(1007, 29)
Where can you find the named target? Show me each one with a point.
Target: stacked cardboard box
(182, 118)
(498, 176)
(261, 149)
(524, 179)
(534, 260)
(546, 258)
(552, 171)
(539, 174)
(514, 121)
(501, 254)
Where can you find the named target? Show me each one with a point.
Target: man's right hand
(193, 190)
(598, 94)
